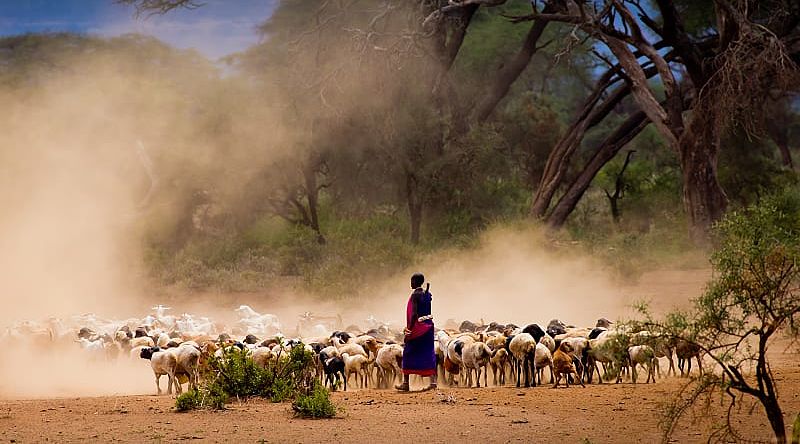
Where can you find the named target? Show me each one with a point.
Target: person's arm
(413, 318)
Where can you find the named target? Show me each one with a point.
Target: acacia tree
(752, 299)
(742, 51)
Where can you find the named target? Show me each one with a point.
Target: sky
(218, 28)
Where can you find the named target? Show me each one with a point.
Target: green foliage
(189, 400)
(750, 168)
(236, 375)
(317, 404)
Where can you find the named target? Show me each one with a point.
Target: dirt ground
(599, 413)
(604, 413)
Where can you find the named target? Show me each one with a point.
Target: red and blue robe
(419, 357)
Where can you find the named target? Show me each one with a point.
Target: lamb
(543, 358)
(645, 356)
(389, 360)
(499, 362)
(356, 364)
(163, 363)
(523, 348)
(475, 356)
(564, 366)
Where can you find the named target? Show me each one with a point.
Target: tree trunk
(560, 156)
(632, 126)
(786, 155)
(703, 197)
(775, 417)
(414, 207)
(511, 70)
(312, 195)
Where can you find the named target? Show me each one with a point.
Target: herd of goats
(177, 347)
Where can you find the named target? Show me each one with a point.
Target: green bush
(236, 375)
(190, 400)
(315, 405)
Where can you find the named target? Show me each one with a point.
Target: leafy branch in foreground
(753, 296)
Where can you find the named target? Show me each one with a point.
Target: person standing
(419, 357)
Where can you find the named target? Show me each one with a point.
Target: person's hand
(406, 331)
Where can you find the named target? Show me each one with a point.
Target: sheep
(368, 343)
(145, 341)
(610, 348)
(136, 352)
(96, 348)
(455, 348)
(661, 346)
(163, 363)
(262, 356)
(543, 358)
(188, 365)
(685, 351)
(603, 323)
(498, 362)
(579, 346)
(556, 327)
(475, 356)
(549, 342)
(563, 365)
(349, 348)
(356, 364)
(389, 360)
(496, 342)
(645, 356)
(535, 331)
(162, 340)
(523, 348)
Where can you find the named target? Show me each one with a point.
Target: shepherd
(419, 357)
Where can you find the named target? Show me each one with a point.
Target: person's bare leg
(404, 387)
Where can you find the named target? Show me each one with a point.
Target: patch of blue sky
(218, 28)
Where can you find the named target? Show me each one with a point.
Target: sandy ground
(599, 413)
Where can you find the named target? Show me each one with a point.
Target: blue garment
(419, 356)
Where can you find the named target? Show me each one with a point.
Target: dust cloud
(100, 149)
(513, 275)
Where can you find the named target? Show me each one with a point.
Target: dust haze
(100, 149)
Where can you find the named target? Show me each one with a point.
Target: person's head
(417, 279)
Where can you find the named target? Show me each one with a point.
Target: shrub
(315, 405)
(188, 401)
(236, 375)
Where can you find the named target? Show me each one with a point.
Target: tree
(740, 53)
(753, 298)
